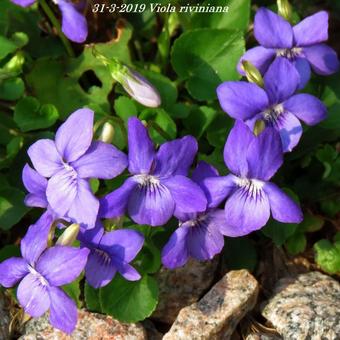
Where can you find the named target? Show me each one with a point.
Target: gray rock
(4, 318)
(306, 307)
(257, 336)
(90, 326)
(182, 287)
(217, 314)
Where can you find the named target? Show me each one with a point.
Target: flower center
(147, 180)
(72, 172)
(41, 279)
(272, 114)
(252, 186)
(195, 221)
(105, 257)
(289, 53)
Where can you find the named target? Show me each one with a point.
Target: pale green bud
(252, 73)
(107, 133)
(259, 127)
(69, 235)
(284, 9)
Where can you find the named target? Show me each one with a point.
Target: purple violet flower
(73, 25)
(276, 104)
(69, 162)
(36, 185)
(302, 44)
(158, 187)
(41, 271)
(200, 235)
(253, 161)
(110, 252)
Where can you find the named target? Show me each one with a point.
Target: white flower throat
(289, 53)
(252, 186)
(273, 113)
(41, 279)
(147, 180)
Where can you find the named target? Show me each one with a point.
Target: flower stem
(56, 24)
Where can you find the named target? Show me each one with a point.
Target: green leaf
(215, 159)
(160, 125)
(125, 108)
(219, 129)
(333, 120)
(337, 237)
(12, 89)
(14, 146)
(28, 20)
(296, 244)
(164, 85)
(12, 149)
(92, 298)
(6, 126)
(279, 232)
(179, 110)
(6, 47)
(237, 16)
(199, 120)
(129, 301)
(12, 208)
(73, 290)
(205, 58)
(148, 260)
(311, 223)
(30, 115)
(240, 253)
(331, 206)
(328, 256)
(78, 82)
(9, 251)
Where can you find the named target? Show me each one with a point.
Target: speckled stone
(183, 286)
(306, 308)
(90, 326)
(4, 318)
(256, 336)
(217, 314)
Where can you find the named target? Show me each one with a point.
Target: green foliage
(92, 298)
(9, 251)
(129, 301)
(328, 255)
(199, 58)
(236, 18)
(280, 232)
(12, 208)
(297, 242)
(30, 115)
(73, 290)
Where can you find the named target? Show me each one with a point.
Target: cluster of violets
(157, 184)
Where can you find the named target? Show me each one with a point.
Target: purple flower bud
(140, 89)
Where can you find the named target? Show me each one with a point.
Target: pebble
(90, 326)
(306, 307)
(183, 286)
(217, 314)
